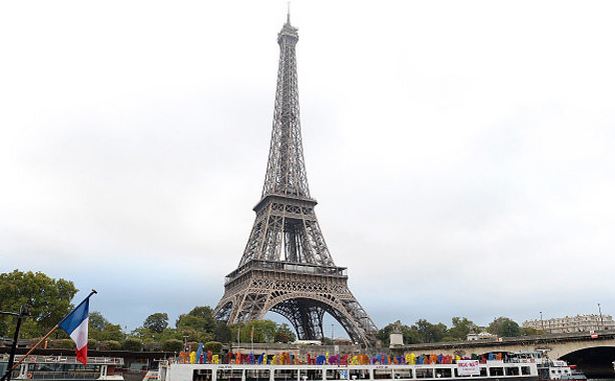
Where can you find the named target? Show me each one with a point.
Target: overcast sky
(461, 151)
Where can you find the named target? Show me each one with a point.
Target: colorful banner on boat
(468, 368)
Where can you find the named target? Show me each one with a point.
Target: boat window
(359, 374)
(512, 371)
(483, 372)
(382, 374)
(70, 371)
(424, 373)
(525, 370)
(54, 367)
(402, 374)
(229, 374)
(201, 375)
(257, 374)
(337, 374)
(310, 374)
(496, 371)
(443, 373)
(284, 374)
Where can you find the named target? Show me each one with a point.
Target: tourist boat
(560, 370)
(496, 370)
(64, 368)
(548, 369)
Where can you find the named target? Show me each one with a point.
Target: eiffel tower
(286, 266)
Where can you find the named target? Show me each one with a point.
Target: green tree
(529, 331)
(170, 333)
(460, 329)
(186, 321)
(504, 327)
(200, 319)
(284, 334)
(172, 345)
(48, 298)
(92, 344)
(110, 345)
(264, 331)
(97, 324)
(132, 344)
(213, 346)
(143, 333)
(192, 334)
(63, 343)
(97, 321)
(207, 314)
(430, 333)
(410, 334)
(222, 332)
(384, 334)
(510, 329)
(156, 322)
(111, 332)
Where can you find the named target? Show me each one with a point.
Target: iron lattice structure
(286, 266)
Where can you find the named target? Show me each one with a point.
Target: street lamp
(601, 322)
(542, 323)
(23, 312)
(332, 333)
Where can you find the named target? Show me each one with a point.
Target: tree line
(425, 332)
(50, 300)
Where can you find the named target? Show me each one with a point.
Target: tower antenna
(288, 12)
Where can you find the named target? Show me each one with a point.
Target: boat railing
(65, 359)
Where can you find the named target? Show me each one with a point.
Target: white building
(484, 335)
(579, 323)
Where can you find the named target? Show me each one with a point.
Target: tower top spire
(288, 12)
(287, 29)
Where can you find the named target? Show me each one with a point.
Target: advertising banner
(468, 368)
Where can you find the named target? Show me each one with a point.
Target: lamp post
(542, 323)
(23, 311)
(332, 333)
(601, 322)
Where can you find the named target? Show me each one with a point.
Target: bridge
(556, 345)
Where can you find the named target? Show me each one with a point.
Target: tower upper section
(286, 175)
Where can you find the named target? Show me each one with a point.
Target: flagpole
(33, 348)
(47, 335)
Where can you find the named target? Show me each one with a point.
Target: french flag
(76, 325)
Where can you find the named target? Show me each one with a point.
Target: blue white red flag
(75, 324)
